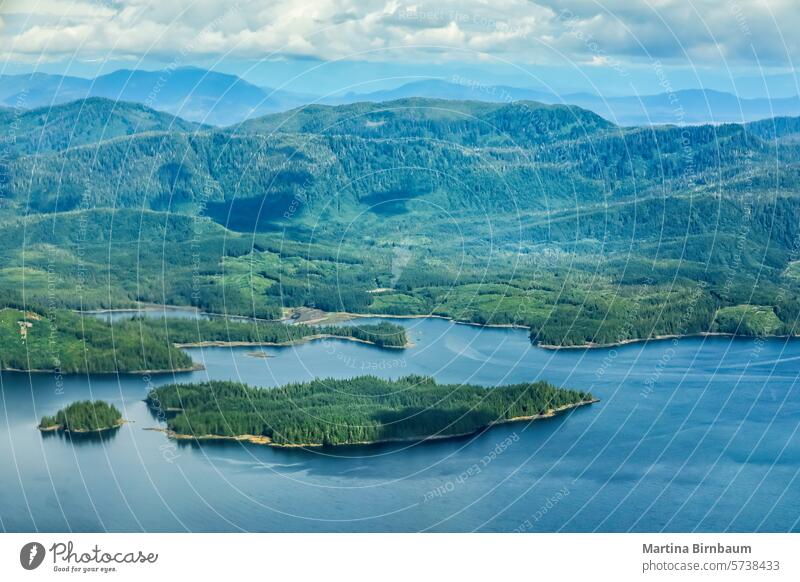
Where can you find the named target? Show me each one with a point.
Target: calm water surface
(696, 434)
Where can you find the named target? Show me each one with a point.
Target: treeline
(80, 123)
(84, 416)
(383, 334)
(358, 410)
(216, 297)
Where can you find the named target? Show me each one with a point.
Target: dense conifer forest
(546, 217)
(180, 331)
(84, 416)
(69, 342)
(358, 410)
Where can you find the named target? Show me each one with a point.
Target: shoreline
(658, 338)
(308, 338)
(195, 367)
(263, 440)
(585, 346)
(60, 428)
(433, 316)
(143, 307)
(338, 316)
(154, 307)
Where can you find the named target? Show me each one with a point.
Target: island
(355, 411)
(83, 417)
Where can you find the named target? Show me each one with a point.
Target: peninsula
(67, 342)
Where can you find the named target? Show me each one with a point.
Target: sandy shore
(58, 427)
(249, 438)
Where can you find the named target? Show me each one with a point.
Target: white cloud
(705, 32)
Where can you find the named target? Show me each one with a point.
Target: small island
(356, 411)
(83, 417)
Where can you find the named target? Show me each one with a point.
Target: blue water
(150, 313)
(690, 435)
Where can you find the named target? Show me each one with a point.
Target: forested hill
(469, 123)
(372, 157)
(543, 216)
(779, 128)
(79, 123)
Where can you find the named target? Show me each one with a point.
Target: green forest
(547, 217)
(84, 416)
(182, 331)
(68, 342)
(365, 409)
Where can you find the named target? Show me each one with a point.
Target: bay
(692, 434)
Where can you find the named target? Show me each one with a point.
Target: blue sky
(612, 47)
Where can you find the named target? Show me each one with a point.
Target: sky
(613, 46)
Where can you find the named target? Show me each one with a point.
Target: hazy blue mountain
(691, 106)
(221, 99)
(41, 89)
(191, 93)
(194, 94)
(442, 89)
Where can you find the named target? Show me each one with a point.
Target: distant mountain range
(222, 99)
(191, 93)
(692, 106)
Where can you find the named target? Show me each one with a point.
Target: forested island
(68, 342)
(362, 410)
(84, 416)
